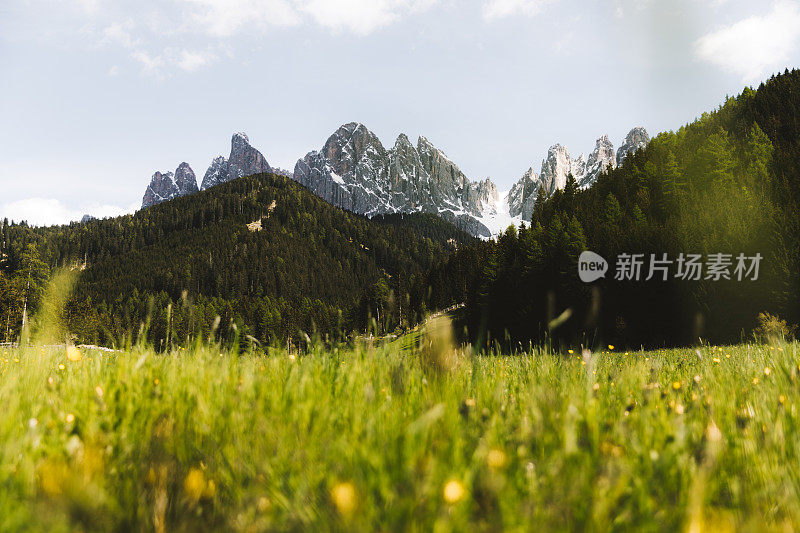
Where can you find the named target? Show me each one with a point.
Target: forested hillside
(727, 183)
(261, 253)
(264, 254)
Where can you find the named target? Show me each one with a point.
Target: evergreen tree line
(727, 183)
(258, 258)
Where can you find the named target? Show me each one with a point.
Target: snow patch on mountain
(497, 218)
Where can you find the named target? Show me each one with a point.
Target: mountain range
(354, 171)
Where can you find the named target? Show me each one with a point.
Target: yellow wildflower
(210, 490)
(454, 491)
(74, 354)
(52, 477)
(344, 497)
(263, 504)
(195, 484)
(496, 459)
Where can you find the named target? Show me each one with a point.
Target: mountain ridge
(353, 170)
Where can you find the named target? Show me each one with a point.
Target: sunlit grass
(385, 439)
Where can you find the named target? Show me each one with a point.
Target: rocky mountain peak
(444, 173)
(636, 138)
(557, 166)
(350, 171)
(603, 148)
(166, 186)
(481, 197)
(522, 195)
(185, 179)
(424, 144)
(282, 172)
(354, 171)
(217, 172)
(403, 142)
(244, 160)
(161, 188)
(240, 139)
(601, 159)
(406, 172)
(352, 145)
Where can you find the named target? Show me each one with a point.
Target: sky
(96, 95)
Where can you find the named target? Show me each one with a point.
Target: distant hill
(261, 252)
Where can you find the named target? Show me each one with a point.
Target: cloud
(191, 60)
(496, 9)
(225, 18)
(360, 17)
(49, 211)
(151, 64)
(756, 46)
(154, 35)
(89, 6)
(119, 33)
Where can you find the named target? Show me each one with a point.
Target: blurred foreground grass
(387, 439)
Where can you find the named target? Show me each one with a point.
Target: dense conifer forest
(260, 258)
(263, 259)
(727, 183)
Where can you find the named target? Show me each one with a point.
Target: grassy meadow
(406, 436)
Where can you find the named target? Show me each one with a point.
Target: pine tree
(570, 192)
(612, 212)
